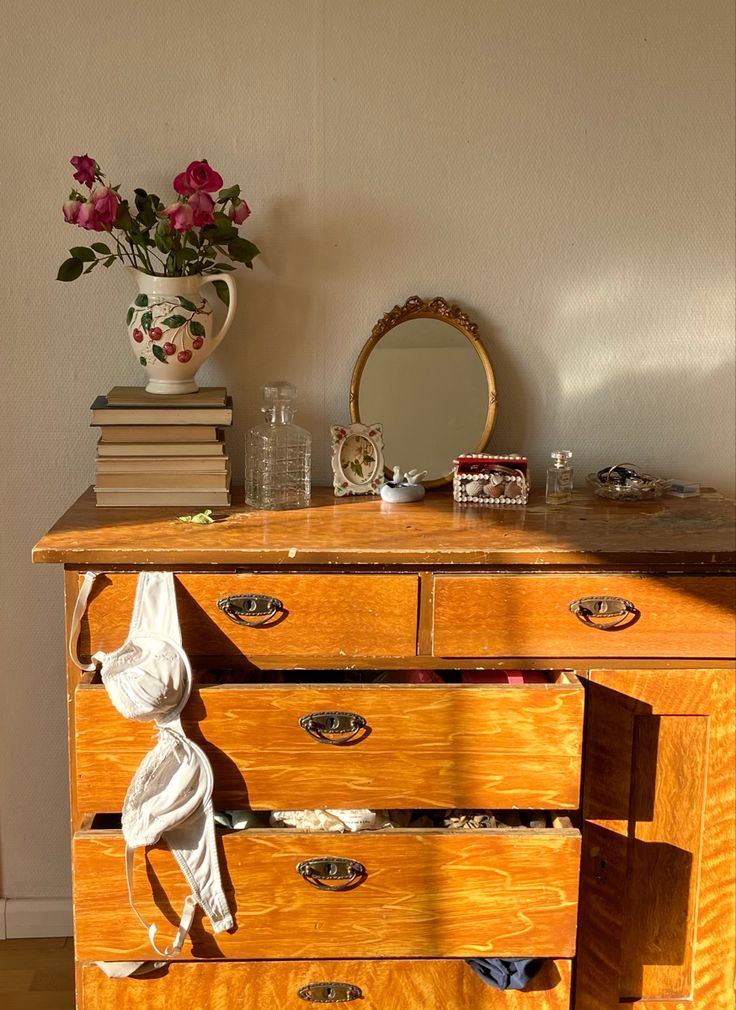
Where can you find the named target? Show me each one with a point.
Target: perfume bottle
(559, 478)
(278, 454)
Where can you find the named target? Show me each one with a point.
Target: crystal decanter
(278, 454)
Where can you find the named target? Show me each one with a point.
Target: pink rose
(239, 211)
(202, 207)
(87, 217)
(86, 169)
(71, 211)
(106, 202)
(180, 215)
(198, 176)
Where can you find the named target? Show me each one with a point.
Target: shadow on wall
(612, 412)
(288, 312)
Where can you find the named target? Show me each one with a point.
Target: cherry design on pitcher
(177, 330)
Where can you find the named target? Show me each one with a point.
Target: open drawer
(405, 893)
(295, 985)
(444, 745)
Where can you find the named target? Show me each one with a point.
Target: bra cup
(145, 680)
(170, 786)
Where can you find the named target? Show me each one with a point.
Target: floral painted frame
(357, 458)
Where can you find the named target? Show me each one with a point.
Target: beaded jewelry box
(482, 479)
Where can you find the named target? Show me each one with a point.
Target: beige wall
(561, 168)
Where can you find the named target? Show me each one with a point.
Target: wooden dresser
(640, 909)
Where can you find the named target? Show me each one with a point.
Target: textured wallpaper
(564, 171)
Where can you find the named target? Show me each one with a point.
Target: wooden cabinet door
(658, 895)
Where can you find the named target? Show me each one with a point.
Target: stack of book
(162, 450)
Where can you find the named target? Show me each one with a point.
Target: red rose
(106, 203)
(86, 169)
(203, 207)
(199, 177)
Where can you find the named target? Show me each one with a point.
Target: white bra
(149, 679)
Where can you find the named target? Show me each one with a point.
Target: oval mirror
(426, 377)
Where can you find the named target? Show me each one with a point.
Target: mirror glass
(430, 384)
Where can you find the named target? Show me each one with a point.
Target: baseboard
(26, 917)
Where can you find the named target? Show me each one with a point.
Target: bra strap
(185, 920)
(79, 608)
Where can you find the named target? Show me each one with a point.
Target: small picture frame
(357, 458)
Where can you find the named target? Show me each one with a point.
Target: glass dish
(643, 487)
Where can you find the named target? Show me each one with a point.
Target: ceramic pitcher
(170, 328)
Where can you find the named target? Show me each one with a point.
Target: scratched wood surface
(340, 615)
(366, 530)
(438, 746)
(385, 985)
(425, 894)
(658, 888)
(518, 615)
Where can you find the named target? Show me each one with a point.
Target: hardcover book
(136, 396)
(105, 414)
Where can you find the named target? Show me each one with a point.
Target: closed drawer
(529, 615)
(432, 893)
(422, 746)
(321, 615)
(382, 985)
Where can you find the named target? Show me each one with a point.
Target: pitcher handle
(210, 278)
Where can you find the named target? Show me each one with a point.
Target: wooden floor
(37, 974)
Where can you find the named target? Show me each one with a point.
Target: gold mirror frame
(434, 308)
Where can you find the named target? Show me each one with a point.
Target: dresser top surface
(364, 530)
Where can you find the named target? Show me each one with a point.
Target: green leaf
(223, 266)
(228, 194)
(242, 250)
(223, 292)
(141, 193)
(173, 321)
(164, 239)
(81, 252)
(186, 304)
(109, 261)
(147, 217)
(142, 360)
(70, 269)
(146, 320)
(187, 255)
(220, 234)
(158, 353)
(196, 328)
(129, 317)
(200, 519)
(91, 266)
(141, 301)
(100, 247)
(124, 220)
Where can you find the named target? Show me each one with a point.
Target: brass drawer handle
(329, 992)
(317, 871)
(250, 609)
(344, 725)
(615, 611)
